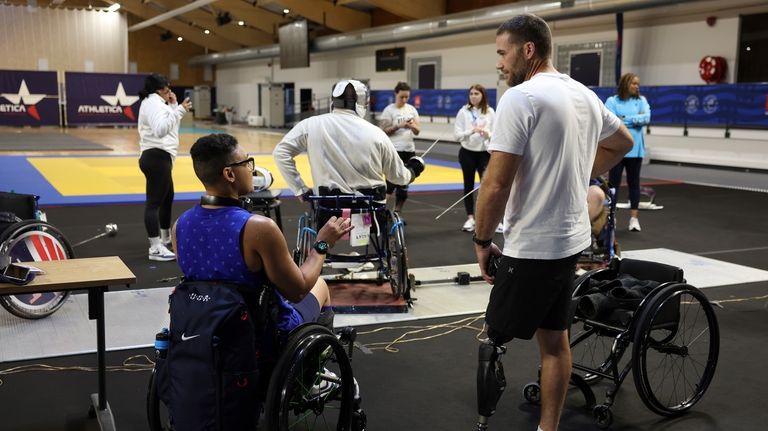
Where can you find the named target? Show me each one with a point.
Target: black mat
(46, 142)
(430, 384)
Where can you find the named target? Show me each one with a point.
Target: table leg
(99, 405)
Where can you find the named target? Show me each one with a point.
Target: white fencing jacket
(345, 152)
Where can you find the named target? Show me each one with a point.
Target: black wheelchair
(672, 332)
(24, 238)
(306, 383)
(385, 247)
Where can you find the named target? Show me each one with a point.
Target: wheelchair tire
(157, 414)
(675, 349)
(312, 386)
(397, 261)
(33, 240)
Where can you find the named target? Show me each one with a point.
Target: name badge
(361, 233)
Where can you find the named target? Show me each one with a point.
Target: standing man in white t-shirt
(551, 135)
(400, 121)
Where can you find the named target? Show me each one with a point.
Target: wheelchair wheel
(28, 241)
(312, 387)
(397, 261)
(303, 240)
(676, 346)
(157, 414)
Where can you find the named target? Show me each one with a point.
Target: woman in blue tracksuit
(631, 107)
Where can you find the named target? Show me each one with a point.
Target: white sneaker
(634, 224)
(326, 383)
(469, 225)
(500, 228)
(161, 253)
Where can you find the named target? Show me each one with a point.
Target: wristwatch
(321, 247)
(482, 242)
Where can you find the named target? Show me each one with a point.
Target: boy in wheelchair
(219, 242)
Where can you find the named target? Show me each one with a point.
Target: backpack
(209, 377)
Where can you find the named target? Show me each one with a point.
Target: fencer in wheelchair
(350, 159)
(227, 256)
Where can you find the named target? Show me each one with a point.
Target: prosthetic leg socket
(490, 381)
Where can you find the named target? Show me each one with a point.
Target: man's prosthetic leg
(490, 378)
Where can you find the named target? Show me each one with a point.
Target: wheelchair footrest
(586, 390)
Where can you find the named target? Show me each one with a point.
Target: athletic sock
(154, 241)
(165, 235)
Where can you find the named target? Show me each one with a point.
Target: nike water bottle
(161, 343)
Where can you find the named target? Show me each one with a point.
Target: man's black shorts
(531, 294)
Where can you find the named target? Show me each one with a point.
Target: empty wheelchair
(304, 380)
(23, 238)
(671, 334)
(384, 242)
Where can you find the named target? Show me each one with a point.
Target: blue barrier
(727, 105)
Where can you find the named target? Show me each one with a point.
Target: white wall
(66, 38)
(666, 54)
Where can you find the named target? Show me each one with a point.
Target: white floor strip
(133, 317)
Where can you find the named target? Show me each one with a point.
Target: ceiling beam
(242, 35)
(324, 12)
(170, 14)
(188, 32)
(411, 9)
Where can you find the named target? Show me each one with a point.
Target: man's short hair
(529, 28)
(211, 154)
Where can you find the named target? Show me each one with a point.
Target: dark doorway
(305, 99)
(753, 49)
(427, 76)
(585, 68)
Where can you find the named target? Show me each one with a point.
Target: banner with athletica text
(102, 98)
(28, 98)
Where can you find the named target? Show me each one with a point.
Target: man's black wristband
(482, 242)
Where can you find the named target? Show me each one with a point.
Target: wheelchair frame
(657, 335)
(387, 243)
(292, 401)
(33, 240)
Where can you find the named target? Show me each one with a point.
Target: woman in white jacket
(473, 130)
(159, 118)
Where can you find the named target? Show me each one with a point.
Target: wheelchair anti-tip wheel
(532, 393)
(157, 413)
(312, 387)
(28, 241)
(602, 415)
(675, 349)
(397, 261)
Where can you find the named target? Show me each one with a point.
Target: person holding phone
(400, 121)
(159, 117)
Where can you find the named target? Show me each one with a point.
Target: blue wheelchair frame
(386, 247)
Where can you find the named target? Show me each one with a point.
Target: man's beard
(519, 70)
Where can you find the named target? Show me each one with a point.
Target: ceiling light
(241, 23)
(206, 31)
(286, 11)
(179, 38)
(749, 48)
(113, 7)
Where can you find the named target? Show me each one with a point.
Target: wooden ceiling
(261, 18)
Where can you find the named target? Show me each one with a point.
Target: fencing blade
(430, 147)
(457, 202)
